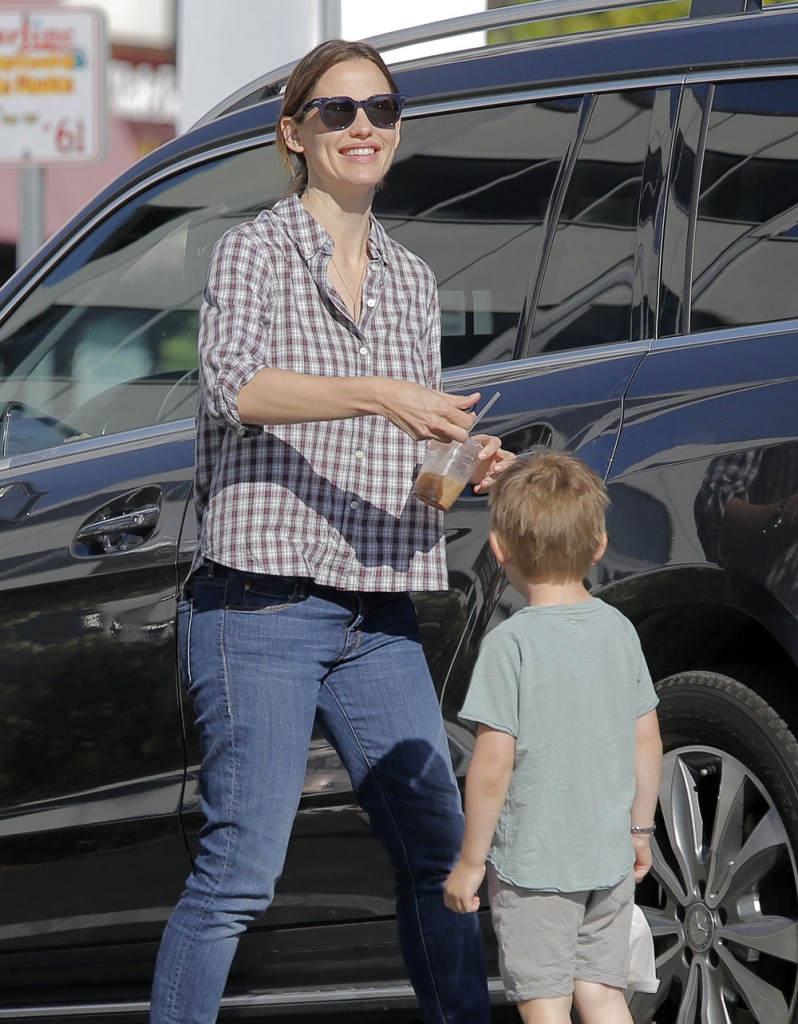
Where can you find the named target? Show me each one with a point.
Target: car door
(91, 762)
(711, 412)
(97, 398)
(709, 447)
(536, 216)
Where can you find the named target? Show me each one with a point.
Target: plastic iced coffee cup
(445, 471)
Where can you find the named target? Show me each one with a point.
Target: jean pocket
(263, 594)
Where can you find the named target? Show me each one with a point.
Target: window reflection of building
(587, 291)
(744, 272)
(746, 251)
(469, 192)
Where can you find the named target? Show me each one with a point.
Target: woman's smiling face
(356, 158)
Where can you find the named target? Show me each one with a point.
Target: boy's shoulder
(505, 632)
(594, 614)
(533, 618)
(611, 622)
(614, 614)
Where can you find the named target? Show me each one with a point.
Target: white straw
(484, 409)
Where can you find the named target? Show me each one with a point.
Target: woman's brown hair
(301, 84)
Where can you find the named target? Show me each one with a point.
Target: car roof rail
(271, 83)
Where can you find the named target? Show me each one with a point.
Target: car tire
(722, 897)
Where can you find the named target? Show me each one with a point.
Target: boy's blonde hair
(548, 512)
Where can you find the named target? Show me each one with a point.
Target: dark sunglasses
(339, 112)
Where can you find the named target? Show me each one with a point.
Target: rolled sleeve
(233, 343)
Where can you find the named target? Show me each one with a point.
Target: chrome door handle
(142, 519)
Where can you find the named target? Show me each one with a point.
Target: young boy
(562, 787)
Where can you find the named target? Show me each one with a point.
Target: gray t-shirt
(569, 682)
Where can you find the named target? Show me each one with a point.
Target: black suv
(609, 215)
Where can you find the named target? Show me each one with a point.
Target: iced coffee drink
(446, 470)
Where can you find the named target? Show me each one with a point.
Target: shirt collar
(310, 237)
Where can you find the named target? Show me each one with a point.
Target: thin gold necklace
(356, 298)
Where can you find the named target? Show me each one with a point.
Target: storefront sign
(52, 75)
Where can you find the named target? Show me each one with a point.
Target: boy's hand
(460, 891)
(643, 856)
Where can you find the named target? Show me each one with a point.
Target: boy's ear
(601, 549)
(498, 549)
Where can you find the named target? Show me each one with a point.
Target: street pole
(31, 212)
(330, 19)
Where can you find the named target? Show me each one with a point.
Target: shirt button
(241, 431)
(359, 454)
(363, 350)
(353, 504)
(371, 303)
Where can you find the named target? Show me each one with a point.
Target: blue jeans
(264, 657)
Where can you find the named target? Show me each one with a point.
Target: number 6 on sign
(69, 139)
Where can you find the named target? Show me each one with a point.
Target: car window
(587, 290)
(107, 341)
(468, 192)
(745, 262)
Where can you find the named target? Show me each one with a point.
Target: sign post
(52, 101)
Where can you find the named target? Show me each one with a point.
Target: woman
(320, 371)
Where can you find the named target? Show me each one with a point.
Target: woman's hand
(426, 414)
(493, 460)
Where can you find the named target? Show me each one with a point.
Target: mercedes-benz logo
(699, 927)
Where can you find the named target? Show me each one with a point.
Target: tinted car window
(108, 341)
(468, 192)
(587, 290)
(746, 238)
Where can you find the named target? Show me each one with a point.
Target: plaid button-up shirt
(326, 500)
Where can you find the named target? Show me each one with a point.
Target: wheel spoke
(670, 966)
(728, 831)
(776, 936)
(667, 877)
(756, 858)
(688, 1008)
(662, 924)
(713, 1005)
(684, 821)
(766, 1002)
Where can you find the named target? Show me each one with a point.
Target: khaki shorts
(549, 939)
